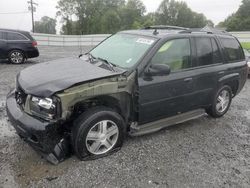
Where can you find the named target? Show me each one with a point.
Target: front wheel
(97, 133)
(221, 102)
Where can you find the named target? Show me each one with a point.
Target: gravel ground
(204, 152)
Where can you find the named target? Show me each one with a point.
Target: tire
(219, 108)
(16, 57)
(91, 140)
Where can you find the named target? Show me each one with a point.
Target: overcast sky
(215, 10)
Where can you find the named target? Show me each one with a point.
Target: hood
(45, 79)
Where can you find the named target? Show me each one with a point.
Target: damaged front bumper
(43, 136)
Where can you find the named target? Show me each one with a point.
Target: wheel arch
(12, 49)
(119, 102)
(232, 80)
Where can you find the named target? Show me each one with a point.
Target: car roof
(150, 33)
(14, 30)
(161, 31)
(25, 33)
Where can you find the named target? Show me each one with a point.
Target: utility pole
(32, 8)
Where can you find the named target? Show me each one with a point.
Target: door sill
(138, 130)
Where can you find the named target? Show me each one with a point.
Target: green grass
(246, 45)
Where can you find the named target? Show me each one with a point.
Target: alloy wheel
(223, 101)
(16, 57)
(102, 137)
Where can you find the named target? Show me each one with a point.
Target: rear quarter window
(15, 36)
(232, 49)
(2, 35)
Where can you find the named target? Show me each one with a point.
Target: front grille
(21, 96)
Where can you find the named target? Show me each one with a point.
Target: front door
(164, 96)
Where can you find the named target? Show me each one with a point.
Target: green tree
(171, 12)
(46, 25)
(239, 21)
(110, 16)
(100, 16)
(132, 14)
(92, 16)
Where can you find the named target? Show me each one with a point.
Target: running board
(138, 130)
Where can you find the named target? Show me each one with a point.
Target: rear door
(207, 67)
(18, 41)
(235, 65)
(3, 45)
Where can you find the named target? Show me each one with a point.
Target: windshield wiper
(92, 59)
(111, 65)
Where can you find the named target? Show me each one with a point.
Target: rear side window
(15, 36)
(232, 49)
(217, 58)
(204, 51)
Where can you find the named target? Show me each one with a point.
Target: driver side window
(175, 53)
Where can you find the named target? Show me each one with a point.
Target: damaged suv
(135, 82)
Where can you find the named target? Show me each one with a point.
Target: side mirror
(158, 70)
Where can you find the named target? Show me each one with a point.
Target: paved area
(204, 152)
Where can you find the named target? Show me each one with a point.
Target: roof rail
(207, 30)
(166, 27)
(196, 31)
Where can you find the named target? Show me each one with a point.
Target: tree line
(240, 20)
(109, 16)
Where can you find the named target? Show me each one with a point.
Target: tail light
(34, 43)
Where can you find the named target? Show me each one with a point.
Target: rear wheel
(16, 57)
(221, 102)
(97, 133)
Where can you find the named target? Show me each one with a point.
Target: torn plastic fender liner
(60, 152)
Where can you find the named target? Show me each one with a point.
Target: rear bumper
(33, 52)
(43, 136)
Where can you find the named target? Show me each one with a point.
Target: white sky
(216, 10)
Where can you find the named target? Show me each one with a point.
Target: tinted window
(233, 51)
(216, 52)
(1, 35)
(15, 36)
(204, 51)
(175, 53)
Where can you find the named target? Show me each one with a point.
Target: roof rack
(166, 27)
(207, 30)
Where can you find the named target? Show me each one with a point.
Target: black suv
(135, 82)
(17, 46)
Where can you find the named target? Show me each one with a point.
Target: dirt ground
(204, 152)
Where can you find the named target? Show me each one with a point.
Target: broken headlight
(43, 107)
(248, 63)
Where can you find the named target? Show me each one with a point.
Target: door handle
(221, 72)
(188, 79)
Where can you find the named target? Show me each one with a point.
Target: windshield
(123, 50)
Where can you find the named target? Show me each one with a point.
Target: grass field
(246, 45)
